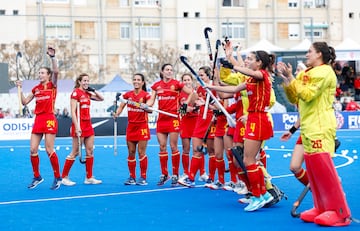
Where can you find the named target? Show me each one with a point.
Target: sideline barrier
(20, 129)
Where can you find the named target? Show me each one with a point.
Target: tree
(70, 56)
(152, 59)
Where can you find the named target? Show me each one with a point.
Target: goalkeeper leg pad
(324, 181)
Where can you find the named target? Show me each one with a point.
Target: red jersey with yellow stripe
(136, 114)
(45, 96)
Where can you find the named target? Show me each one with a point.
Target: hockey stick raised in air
(297, 203)
(218, 104)
(146, 107)
(206, 33)
(79, 135)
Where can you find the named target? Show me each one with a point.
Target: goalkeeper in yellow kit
(313, 91)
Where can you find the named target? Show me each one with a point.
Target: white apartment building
(114, 29)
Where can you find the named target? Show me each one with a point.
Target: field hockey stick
(297, 203)
(218, 43)
(203, 147)
(115, 124)
(218, 104)
(79, 135)
(206, 33)
(18, 56)
(146, 107)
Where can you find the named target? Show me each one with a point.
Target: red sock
(35, 161)
(202, 164)
(253, 176)
(220, 166)
(232, 168)
(67, 167)
(185, 162)
(194, 167)
(132, 166)
(302, 177)
(55, 164)
(212, 167)
(89, 166)
(164, 163)
(262, 182)
(242, 176)
(175, 159)
(143, 166)
(263, 157)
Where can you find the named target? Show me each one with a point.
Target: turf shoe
(267, 197)
(56, 184)
(186, 182)
(163, 179)
(217, 185)
(240, 188)
(92, 180)
(130, 181)
(35, 182)
(204, 177)
(141, 181)
(66, 181)
(229, 186)
(174, 180)
(255, 204)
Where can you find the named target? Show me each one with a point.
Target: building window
(316, 34)
(293, 3)
(2, 12)
(294, 31)
(315, 3)
(85, 30)
(238, 3)
(148, 30)
(197, 14)
(320, 3)
(15, 12)
(60, 31)
(113, 30)
(146, 3)
(186, 14)
(186, 47)
(351, 15)
(233, 30)
(124, 30)
(198, 47)
(124, 3)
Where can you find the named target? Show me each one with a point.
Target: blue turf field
(113, 206)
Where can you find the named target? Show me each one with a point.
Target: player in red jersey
(137, 131)
(201, 127)
(82, 94)
(167, 91)
(187, 123)
(258, 126)
(45, 123)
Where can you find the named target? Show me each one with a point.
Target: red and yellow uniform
(258, 125)
(168, 100)
(85, 120)
(314, 96)
(45, 120)
(188, 121)
(138, 128)
(203, 124)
